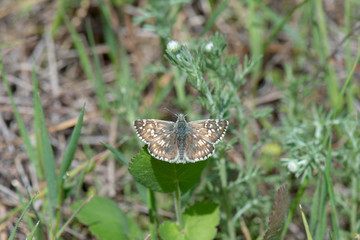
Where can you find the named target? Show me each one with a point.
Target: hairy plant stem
(226, 198)
(177, 202)
(152, 213)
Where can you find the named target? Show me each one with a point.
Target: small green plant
(217, 80)
(160, 176)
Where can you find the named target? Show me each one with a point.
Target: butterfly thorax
(181, 128)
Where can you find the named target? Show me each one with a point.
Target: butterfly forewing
(197, 148)
(165, 147)
(150, 129)
(212, 130)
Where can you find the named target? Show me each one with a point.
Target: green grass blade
(31, 235)
(323, 51)
(43, 147)
(21, 216)
(321, 215)
(314, 216)
(58, 16)
(307, 230)
(99, 80)
(83, 56)
(117, 153)
(153, 218)
(330, 189)
(28, 218)
(58, 234)
(294, 205)
(281, 23)
(256, 28)
(210, 22)
(110, 36)
(351, 73)
(23, 132)
(70, 149)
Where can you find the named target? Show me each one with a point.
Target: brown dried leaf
(278, 216)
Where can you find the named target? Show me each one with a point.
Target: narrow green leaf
(75, 213)
(99, 82)
(70, 149)
(351, 73)
(294, 205)
(162, 176)
(83, 56)
(23, 132)
(308, 234)
(31, 235)
(110, 36)
(58, 15)
(321, 226)
(330, 189)
(21, 216)
(43, 147)
(209, 23)
(323, 47)
(117, 154)
(107, 221)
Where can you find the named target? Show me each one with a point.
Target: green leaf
(43, 147)
(306, 225)
(31, 235)
(21, 216)
(70, 149)
(81, 50)
(169, 230)
(22, 129)
(106, 220)
(199, 221)
(214, 16)
(162, 176)
(117, 154)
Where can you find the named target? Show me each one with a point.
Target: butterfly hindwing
(165, 147)
(212, 130)
(197, 148)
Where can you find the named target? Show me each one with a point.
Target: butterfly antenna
(186, 114)
(169, 111)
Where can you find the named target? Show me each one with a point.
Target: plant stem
(152, 213)
(294, 206)
(177, 201)
(225, 195)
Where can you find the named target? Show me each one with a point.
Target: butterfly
(181, 141)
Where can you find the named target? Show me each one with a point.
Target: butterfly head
(181, 117)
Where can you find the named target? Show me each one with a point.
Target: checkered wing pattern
(179, 141)
(150, 129)
(197, 148)
(165, 147)
(212, 130)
